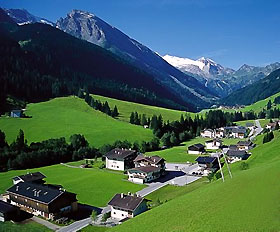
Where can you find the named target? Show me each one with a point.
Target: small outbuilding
(16, 113)
(196, 149)
(214, 144)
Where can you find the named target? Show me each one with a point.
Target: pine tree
(144, 120)
(115, 112)
(173, 139)
(269, 105)
(132, 118)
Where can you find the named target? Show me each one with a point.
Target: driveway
(258, 130)
(45, 223)
(76, 226)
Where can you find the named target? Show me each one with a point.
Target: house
(196, 149)
(233, 147)
(245, 145)
(40, 200)
(236, 132)
(35, 177)
(147, 169)
(144, 174)
(8, 211)
(213, 144)
(237, 155)
(207, 133)
(127, 206)
(120, 159)
(207, 164)
(220, 133)
(272, 125)
(16, 113)
(143, 161)
(250, 125)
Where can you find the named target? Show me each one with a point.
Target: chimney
(35, 193)
(17, 188)
(121, 195)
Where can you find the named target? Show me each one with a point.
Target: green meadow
(247, 202)
(92, 186)
(30, 226)
(125, 108)
(62, 117)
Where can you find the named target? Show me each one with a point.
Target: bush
(244, 166)
(106, 216)
(93, 214)
(102, 166)
(218, 175)
(210, 176)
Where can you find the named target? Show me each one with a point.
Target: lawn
(92, 186)
(26, 227)
(179, 154)
(247, 202)
(62, 117)
(263, 122)
(91, 228)
(125, 108)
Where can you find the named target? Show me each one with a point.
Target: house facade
(147, 169)
(196, 149)
(207, 133)
(214, 144)
(40, 200)
(237, 155)
(207, 164)
(120, 159)
(245, 145)
(236, 132)
(127, 206)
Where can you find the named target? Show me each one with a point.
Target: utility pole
(227, 165)
(220, 167)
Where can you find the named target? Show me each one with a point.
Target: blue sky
(231, 32)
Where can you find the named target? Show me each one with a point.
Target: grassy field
(263, 122)
(179, 154)
(26, 227)
(248, 202)
(125, 108)
(62, 117)
(92, 186)
(94, 229)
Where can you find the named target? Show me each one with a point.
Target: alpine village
(100, 133)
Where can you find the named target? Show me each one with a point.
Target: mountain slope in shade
(22, 16)
(47, 67)
(89, 27)
(259, 90)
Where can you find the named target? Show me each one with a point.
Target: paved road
(151, 188)
(258, 130)
(76, 226)
(45, 223)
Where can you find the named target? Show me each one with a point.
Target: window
(117, 166)
(122, 215)
(114, 212)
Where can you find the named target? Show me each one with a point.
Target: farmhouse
(120, 159)
(35, 177)
(207, 163)
(220, 133)
(196, 149)
(127, 206)
(237, 155)
(16, 113)
(236, 132)
(207, 133)
(245, 145)
(272, 125)
(8, 211)
(144, 174)
(213, 144)
(40, 200)
(143, 161)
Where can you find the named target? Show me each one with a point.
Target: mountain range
(220, 79)
(194, 83)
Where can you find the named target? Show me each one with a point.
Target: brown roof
(126, 202)
(151, 159)
(145, 169)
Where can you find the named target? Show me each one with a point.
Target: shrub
(244, 166)
(102, 166)
(93, 214)
(106, 216)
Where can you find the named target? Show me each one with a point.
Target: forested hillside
(39, 62)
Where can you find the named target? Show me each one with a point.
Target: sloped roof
(205, 159)
(144, 169)
(119, 153)
(197, 146)
(37, 192)
(151, 159)
(31, 176)
(244, 143)
(236, 153)
(126, 202)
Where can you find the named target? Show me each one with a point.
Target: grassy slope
(93, 186)
(125, 108)
(62, 117)
(27, 227)
(248, 202)
(179, 154)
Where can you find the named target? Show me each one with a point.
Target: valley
(102, 130)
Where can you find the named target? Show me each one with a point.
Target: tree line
(20, 155)
(97, 104)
